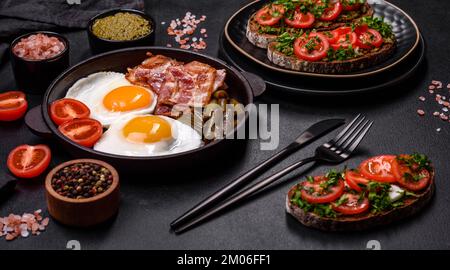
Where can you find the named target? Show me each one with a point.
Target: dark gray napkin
(21, 16)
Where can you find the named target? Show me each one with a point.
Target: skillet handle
(35, 122)
(257, 83)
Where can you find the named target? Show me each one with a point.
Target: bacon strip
(175, 82)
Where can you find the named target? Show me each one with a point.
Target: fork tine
(350, 132)
(354, 135)
(360, 138)
(339, 136)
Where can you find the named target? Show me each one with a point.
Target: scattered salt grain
(421, 112)
(180, 28)
(438, 129)
(422, 98)
(436, 113)
(163, 23)
(14, 226)
(445, 109)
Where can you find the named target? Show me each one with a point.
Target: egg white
(92, 89)
(114, 142)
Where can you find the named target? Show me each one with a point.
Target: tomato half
(66, 109)
(368, 38)
(333, 11)
(85, 132)
(13, 105)
(344, 38)
(409, 179)
(312, 47)
(350, 5)
(269, 15)
(353, 205)
(27, 161)
(300, 20)
(354, 180)
(379, 168)
(314, 193)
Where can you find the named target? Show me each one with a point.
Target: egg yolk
(147, 129)
(127, 98)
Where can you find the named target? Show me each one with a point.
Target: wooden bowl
(83, 212)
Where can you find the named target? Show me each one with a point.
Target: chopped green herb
(379, 25)
(415, 161)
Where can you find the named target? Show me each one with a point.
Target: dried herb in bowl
(82, 180)
(121, 26)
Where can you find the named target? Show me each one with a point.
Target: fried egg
(148, 135)
(109, 95)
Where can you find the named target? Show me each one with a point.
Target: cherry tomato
(13, 105)
(410, 179)
(348, 6)
(66, 109)
(85, 132)
(312, 47)
(314, 193)
(300, 20)
(368, 38)
(353, 205)
(27, 161)
(269, 15)
(379, 168)
(333, 11)
(354, 180)
(344, 38)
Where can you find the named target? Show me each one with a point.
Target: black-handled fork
(335, 151)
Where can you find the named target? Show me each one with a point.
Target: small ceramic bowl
(99, 45)
(83, 212)
(34, 76)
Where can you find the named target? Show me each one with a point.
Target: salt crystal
(24, 233)
(163, 23)
(421, 112)
(436, 113)
(422, 98)
(445, 109)
(438, 129)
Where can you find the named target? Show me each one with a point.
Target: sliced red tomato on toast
(28, 161)
(316, 193)
(351, 204)
(300, 20)
(355, 180)
(367, 38)
(351, 5)
(311, 47)
(344, 37)
(379, 168)
(13, 105)
(332, 12)
(269, 15)
(411, 177)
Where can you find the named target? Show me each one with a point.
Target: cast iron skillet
(243, 86)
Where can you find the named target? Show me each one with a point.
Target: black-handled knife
(312, 133)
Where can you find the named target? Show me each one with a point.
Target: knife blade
(314, 132)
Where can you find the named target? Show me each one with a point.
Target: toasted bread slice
(262, 40)
(367, 59)
(364, 221)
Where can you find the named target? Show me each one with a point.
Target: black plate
(319, 86)
(403, 26)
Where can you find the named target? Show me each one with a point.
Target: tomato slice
(355, 179)
(27, 161)
(300, 20)
(352, 205)
(344, 38)
(409, 179)
(314, 193)
(312, 47)
(269, 15)
(379, 168)
(350, 5)
(332, 11)
(13, 105)
(85, 132)
(368, 38)
(66, 109)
